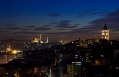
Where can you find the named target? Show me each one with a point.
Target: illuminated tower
(46, 40)
(105, 32)
(40, 37)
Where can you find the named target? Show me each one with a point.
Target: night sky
(58, 19)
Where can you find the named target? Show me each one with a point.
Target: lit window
(107, 33)
(76, 55)
(116, 67)
(72, 62)
(102, 55)
(102, 33)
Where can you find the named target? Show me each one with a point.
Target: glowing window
(102, 55)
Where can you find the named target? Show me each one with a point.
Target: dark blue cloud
(31, 26)
(9, 25)
(53, 23)
(116, 13)
(46, 25)
(54, 14)
(111, 19)
(25, 32)
(92, 12)
(96, 25)
(11, 15)
(42, 28)
(12, 28)
(25, 29)
(65, 24)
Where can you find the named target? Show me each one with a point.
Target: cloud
(2, 30)
(77, 24)
(26, 29)
(42, 28)
(95, 26)
(53, 23)
(46, 25)
(31, 26)
(70, 26)
(9, 25)
(116, 13)
(86, 13)
(65, 24)
(25, 32)
(61, 29)
(111, 19)
(91, 12)
(12, 28)
(54, 14)
(11, 15)
(63, 33)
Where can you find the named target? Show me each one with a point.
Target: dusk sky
(58, 19)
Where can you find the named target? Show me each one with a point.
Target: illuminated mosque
(39, 40)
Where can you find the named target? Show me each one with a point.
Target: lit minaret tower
(105, 32)
(47, 39)
(40, 37)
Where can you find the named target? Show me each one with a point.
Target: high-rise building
(105, 32)
(74, 69)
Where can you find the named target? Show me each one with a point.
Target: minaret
(105, 32)
(47, 40)
(40, 37)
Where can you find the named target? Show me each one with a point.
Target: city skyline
(58, 19)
